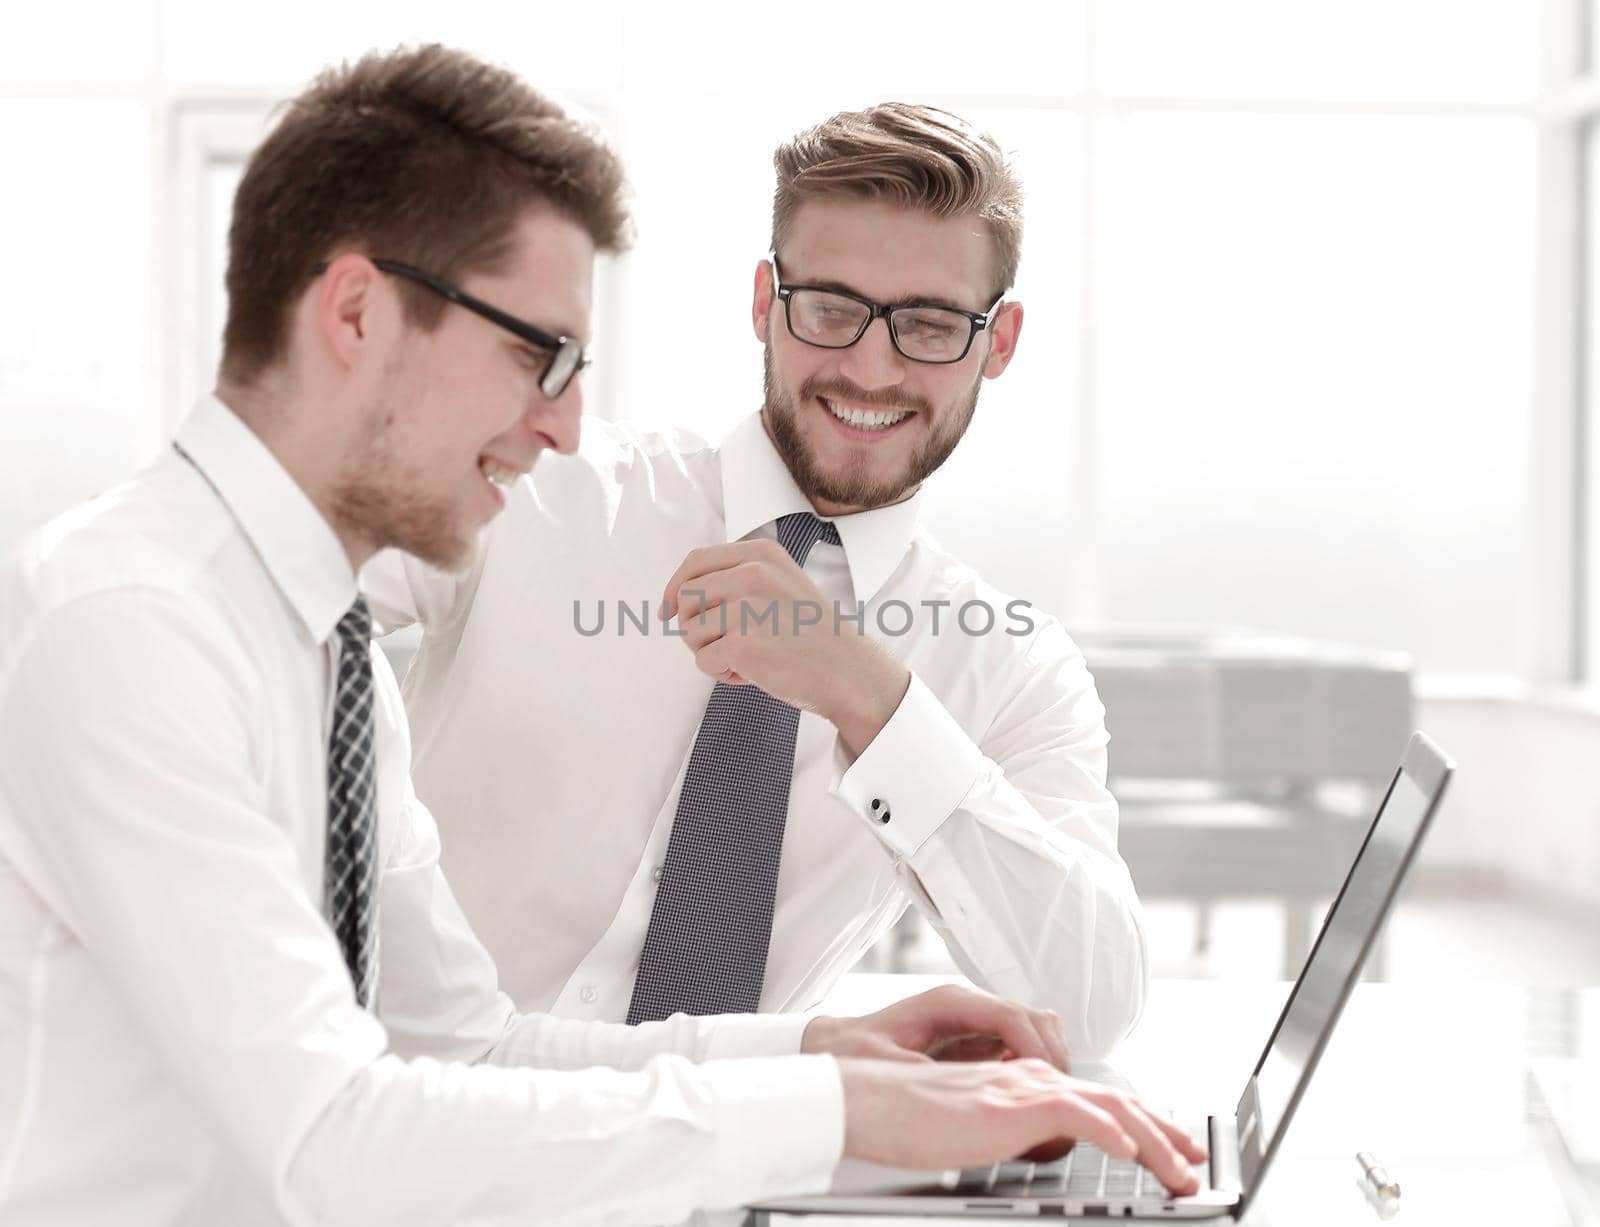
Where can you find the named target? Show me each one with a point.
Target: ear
(761, 300)
(1003, 334)
(346, 306)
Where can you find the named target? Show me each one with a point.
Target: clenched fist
(751, 617)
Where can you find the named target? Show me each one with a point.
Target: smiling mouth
(866, 419)
(501, 475)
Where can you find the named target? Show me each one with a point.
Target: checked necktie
(352, 863)
(706, 949)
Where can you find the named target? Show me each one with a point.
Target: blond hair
(916, 157)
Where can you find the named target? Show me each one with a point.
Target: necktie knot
(798, 532)
(355, 628)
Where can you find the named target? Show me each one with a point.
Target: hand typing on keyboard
(1085, 1171)
(931, 1115)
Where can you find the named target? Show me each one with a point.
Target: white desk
(1433, 1081)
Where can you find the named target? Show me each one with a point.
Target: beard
(383, 503)
(855, 486)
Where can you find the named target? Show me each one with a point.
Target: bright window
(1277, 368)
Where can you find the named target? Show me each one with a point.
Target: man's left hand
(951, 1023)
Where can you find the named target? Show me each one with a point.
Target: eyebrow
(913, 300)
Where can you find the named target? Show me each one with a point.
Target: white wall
(1524, 807)
(78, 345)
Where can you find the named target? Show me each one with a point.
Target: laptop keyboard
(1085, 1171)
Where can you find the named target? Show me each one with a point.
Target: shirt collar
(757, 489)
(296, 545)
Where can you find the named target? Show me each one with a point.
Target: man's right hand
(932, 1116)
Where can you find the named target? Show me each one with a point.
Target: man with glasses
(234, 986)
(859, 723)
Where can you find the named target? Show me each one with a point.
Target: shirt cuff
(914, 775)
(780, 1126)
(755, 1035)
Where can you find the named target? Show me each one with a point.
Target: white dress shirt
(552, 754)
(179, 1038)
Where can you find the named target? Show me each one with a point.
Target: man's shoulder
(621, 471)
(996, 620)
(934, 570)
(154, 534)
(620, 451)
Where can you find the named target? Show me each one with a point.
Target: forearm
(1031, 917)
(441, 999)
(1020, 876)
(427, 1142)
(546, 1042)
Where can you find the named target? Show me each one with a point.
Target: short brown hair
(917, 157)
(423, 155)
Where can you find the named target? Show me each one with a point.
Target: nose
(559, 421)
(873, 361)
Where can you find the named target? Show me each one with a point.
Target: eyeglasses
(566, 355)
(835, 319)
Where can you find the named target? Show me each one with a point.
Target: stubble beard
(382, 502)
(854, 487)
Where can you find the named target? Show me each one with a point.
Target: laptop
(1241, 1144)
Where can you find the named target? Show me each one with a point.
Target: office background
(1307, 345)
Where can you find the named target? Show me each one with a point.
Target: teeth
(865, 419)
(496, 472)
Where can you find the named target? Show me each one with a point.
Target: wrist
(877, 684)
(818, 1037)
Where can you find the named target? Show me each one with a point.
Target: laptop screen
(1335, 962)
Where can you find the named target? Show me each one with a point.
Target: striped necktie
(351, 879)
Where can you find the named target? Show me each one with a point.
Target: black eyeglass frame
(566, 355)
(978, 321)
